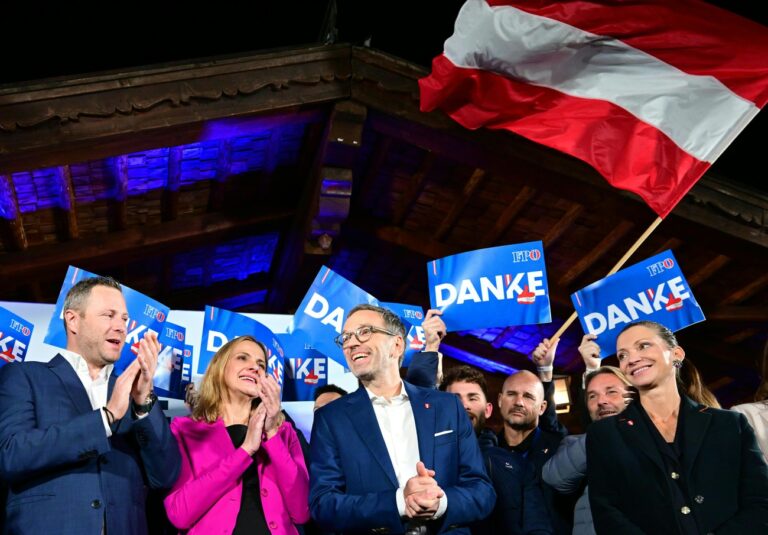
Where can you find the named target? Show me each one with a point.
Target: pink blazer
(206, 497)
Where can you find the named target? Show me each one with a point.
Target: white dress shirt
(395, 419)
(95, 388)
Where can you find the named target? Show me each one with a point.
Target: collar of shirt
(80, 365)
(399, 399)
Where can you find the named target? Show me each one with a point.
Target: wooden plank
(118, 211)
(170, 203)
(478, 175)
(136, 243)
(364, 195)
(67, 207)
(562, 225)
(510, 212)
(742, 313)
(504, 336)
(11, 225)
(746, 291)
(415, 186)
(218, 184)
(707, 270)
(598, 251)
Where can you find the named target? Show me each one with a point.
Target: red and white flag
(648, 92)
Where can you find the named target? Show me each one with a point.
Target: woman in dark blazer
(668, 465)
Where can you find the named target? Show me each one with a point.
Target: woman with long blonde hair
(242, 471)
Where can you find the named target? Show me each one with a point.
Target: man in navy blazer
(392, 457)
(79, 447)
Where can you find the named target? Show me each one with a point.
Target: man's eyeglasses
(362, 333)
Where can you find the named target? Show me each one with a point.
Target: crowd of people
(80, 449)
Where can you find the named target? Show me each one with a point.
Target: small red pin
(426, 405)
(630, 422)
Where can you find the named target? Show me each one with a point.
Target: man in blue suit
(79, 447)
(392, 457)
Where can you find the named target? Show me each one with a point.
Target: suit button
(264, 492)
(96, 504)
(674, 475)
(699, 499)
(685, 510)
(273, 525)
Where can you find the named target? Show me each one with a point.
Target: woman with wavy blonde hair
(242, 471)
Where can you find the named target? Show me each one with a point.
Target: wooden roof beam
(11, 225)
(67, 210)
(562, 225)
(746, 291)
(415, 186)
(118, 212)
(477, 177)
(508, 215)
(707, 270)
(598, 251)
(170, 203)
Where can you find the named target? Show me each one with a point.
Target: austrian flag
(648, 92)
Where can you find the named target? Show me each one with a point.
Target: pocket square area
(441, 433)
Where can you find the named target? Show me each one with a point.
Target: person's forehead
(250, 348)
(635, 333)
(106, 297)
(463, 387)
(521, 383)
(363, 317)
(603, 381)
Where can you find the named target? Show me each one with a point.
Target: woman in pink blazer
(242, 470)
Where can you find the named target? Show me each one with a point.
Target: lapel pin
(630, 422)
(426, 405)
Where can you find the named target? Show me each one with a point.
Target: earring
(677, 363)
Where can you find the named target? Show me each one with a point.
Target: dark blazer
(353, 483)
(723, 473)
(62, 471)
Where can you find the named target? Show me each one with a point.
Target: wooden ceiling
(230, 182)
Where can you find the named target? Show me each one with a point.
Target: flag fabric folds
(647, 92)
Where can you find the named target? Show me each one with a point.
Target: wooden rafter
(562, 225)
(67, 205)
(670, 244)
(118, 210)
(509, 214)
(134, 243)
(707, 270)
(739, 314)
(503, 336)
(412, 192)
(11, 224)
(598, 251)
(364, 197)
(170, 210)
(223, 165)
(746, 291)
(477, 177)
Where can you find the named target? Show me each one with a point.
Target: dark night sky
(69, 38)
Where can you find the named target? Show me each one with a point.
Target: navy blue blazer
(723, 474)
(352, 481)
(62, 471)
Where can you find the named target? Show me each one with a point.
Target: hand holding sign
(590, 351)
(434, 329)
(544, 357)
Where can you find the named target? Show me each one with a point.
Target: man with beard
(607, 392)
(520, 507)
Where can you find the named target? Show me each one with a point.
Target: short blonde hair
(212, 391)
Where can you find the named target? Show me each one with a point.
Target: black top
(672, 456)
(250, 519)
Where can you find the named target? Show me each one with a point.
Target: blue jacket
(64, 475)
(352, 481)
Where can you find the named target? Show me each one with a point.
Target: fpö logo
(154, 313)
(173, 333)
(660, 267)
(530, 255)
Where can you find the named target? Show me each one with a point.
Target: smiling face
(521, 401)
(645, 358)
(472, 397)
(605, 396)
(376, 357)
(246, 366)
(97, 331)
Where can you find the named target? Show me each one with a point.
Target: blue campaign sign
(15, 334)
(320, 316)
(654, 289)
(305, 370)
(144, 314)
(412, 316)
(220, 326)
(493, 287)
(167, 379)
(186, 366)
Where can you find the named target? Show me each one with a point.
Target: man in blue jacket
(392, 457)
(79, 447)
